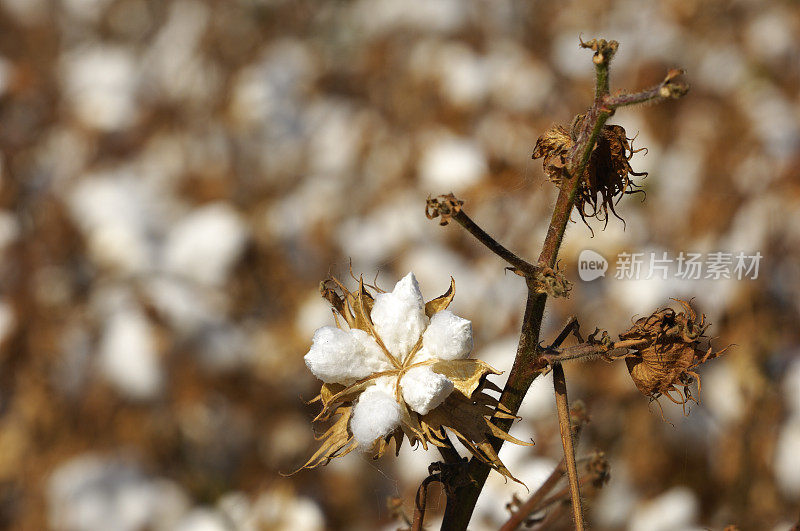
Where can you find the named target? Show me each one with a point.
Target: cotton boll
(452, 164)
(202, 519)
(129, 357)
(399, 316)
(376, 414)
(424, 390)
(449, 337)
(787, 459)
(206, 244)
(337, 356)
(675, 509)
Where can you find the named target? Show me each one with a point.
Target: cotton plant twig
(537, 501)
(562, 406)
(596, 474)
(448, 207)
(420, 503)
(590, 351)
(449, 474)
(531, 360)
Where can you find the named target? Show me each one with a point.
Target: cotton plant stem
(527, 363)
(530, 361)
(449, 452)
(667, 89)
(562, 406)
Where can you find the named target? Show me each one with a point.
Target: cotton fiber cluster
(397, 363)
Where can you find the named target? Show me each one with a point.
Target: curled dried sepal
(444, 206)
(607, 176)
(466, 411)
(674, 346)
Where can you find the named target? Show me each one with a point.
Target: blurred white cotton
(451, 164)
(128, 356)
(205, 244)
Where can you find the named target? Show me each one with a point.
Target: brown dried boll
(671, 349)
(607, 176)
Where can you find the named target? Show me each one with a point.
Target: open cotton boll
(376, 414)
(399, 317)
(342, 357)
(424, 390)
(449, 337)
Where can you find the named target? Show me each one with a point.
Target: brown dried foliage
(607, 176)
(665, 364)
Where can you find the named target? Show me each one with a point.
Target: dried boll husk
(672, 348)
(607, 176)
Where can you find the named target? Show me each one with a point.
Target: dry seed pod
(672, 349)
(607, 176)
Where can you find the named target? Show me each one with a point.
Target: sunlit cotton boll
(392, 365)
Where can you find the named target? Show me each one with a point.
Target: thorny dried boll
(671, 349)
(607, 176)
(399, 366)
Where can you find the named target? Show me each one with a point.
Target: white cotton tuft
(376, 414)
(374, 358)
(449, 337)
(399, 316)
(342, 357)
(424, 390)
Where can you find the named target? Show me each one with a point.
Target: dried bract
(671, 350)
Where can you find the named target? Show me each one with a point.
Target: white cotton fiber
(376, 414)
(449, 337)
(424, 390)
(337, 356)
(399, 316)
(374, 358)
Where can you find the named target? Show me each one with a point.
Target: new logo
(591, 265)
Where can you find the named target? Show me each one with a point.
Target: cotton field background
(178, 176)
